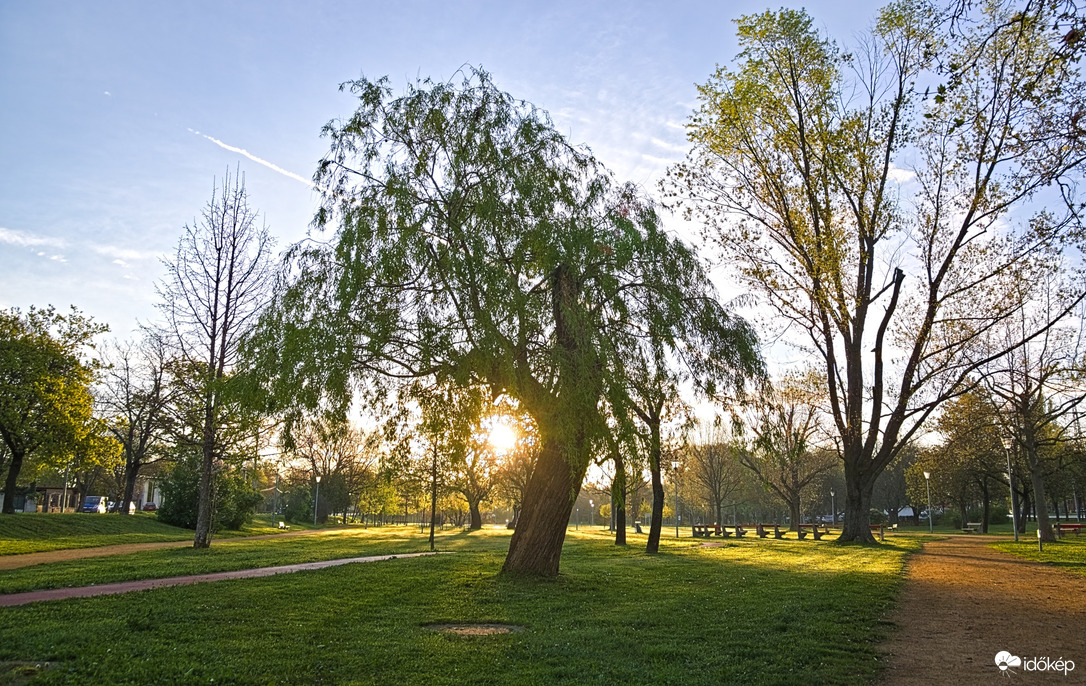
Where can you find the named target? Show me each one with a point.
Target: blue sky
(118, 116)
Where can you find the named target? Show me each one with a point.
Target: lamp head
(927, 475)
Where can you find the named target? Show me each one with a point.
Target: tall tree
(882, 221)
(473, 244)
(45, 379)
(216, 284)
(135, 396)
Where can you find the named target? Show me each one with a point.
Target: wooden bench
(702, 531)
(763, 530)
(972, 528)
(1060, 528)
(814, 530)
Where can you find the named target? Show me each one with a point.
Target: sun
(502, 437)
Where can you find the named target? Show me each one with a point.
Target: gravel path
(964, 602)
(13, 599)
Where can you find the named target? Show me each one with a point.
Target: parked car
(115, 507)
(150, 507)
(94, 503)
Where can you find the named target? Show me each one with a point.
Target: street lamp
(1008, 443)
(316, 500)
(592, 513)
(927, 480)
(675, 475)
(833, 508)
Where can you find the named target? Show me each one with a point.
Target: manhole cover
(475, 629)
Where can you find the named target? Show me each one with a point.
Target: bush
(235, 498)
(998, 514)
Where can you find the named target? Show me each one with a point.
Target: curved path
(964, 602)
(12, 599)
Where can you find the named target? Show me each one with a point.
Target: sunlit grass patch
(1069, 552)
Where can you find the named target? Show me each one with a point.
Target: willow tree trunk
(656, 522)
(536, 546)
(618, 500)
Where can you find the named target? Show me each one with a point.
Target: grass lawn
(748, 612)
(1068, 552)
(35, 533)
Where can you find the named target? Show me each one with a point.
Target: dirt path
(30, 559)
(14, 599)
(963, 603)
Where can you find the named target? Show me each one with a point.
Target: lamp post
(927, 480)
(591, 513)
(275, 501)
(675, 475)
(833, 508)
(316, 500)
(1008, 443)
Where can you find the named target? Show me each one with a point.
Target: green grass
(1069, 552)
(36, 533)
(747, 612)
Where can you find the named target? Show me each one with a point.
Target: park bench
(1060, 528)
(972, 528)
(284, 526)
(739, 531)
(705, 531)
(763, 530)
(814, 530)
(881, 528)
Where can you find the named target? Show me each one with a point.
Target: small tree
(216, 284)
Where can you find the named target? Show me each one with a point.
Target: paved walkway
(964, 602)
(13, 599)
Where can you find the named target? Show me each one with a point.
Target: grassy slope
(35, 533)
(746, 612)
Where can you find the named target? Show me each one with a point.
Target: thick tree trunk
(1040, 503)
(475, 517)
(618, 500)
(131, 473)
(656, 521)
(14, 468)
(536, 546)
(856, 524)
(794, 511)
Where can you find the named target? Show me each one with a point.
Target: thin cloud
(124, 253)
(254, 158)
(121, 263)
(28, 240)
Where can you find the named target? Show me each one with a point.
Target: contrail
(254, 158)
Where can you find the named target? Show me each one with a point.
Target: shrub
(235, 498)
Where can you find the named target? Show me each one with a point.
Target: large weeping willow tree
(468, 242)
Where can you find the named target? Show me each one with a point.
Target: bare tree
(216, 284)
(713, 465)
(135, 397)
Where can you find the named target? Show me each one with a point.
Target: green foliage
(235, 498)
(45, 400)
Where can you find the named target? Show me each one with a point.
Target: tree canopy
(474, 244)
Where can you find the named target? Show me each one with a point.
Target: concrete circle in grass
(471, 629)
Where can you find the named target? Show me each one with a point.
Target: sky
(118, 117)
